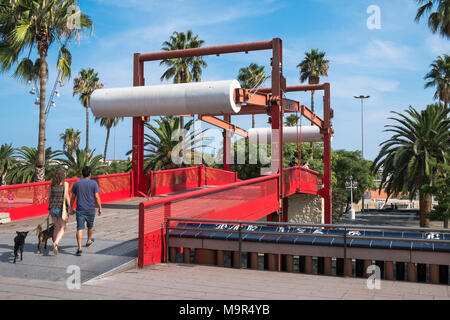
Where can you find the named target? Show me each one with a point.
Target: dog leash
(46, 219)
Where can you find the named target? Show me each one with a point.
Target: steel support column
(227, 145)
(277, 117)
(139, 181)
(327, 132)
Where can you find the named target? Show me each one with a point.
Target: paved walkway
(45, 277)
(180, 281)
(387, 218)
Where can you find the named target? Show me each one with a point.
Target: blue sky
(388, 64)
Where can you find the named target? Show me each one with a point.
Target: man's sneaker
(89, 243)
(79, 252)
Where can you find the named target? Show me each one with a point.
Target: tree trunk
(425, 209)
(40, 164)
(445, 222)
(87, 135)
(253, 121)
(106, 143)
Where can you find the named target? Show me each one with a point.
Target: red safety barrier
(246, 200)
(29, 200)
(217, 177)
(308, 181)
(169, 181)
(183, 179)
(299, 179)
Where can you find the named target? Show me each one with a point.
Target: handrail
(318, 235)
(197, 193)
(172, 170)
(44, 183)
(343, 236)
(316, 225)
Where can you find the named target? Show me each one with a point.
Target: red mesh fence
(217, 177)
(308, 181)
(247, 200)
(168, 181)
(291, 179)
(24, 201)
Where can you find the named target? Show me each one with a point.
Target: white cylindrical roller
(305, 134)
(213, 97)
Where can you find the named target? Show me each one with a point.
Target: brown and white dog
(44, 235)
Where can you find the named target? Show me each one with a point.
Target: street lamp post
(362, 97)
(351, 185)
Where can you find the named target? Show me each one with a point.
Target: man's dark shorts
(85, 216)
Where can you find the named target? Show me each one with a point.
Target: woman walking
(59, 192)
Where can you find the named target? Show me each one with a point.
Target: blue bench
(309, 236)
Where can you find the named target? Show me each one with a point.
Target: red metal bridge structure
(208, 193)
(230, 199)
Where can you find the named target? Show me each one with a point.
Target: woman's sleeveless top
(56, 198)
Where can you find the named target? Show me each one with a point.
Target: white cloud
(381, 54)
(348, 86)
(437, 45)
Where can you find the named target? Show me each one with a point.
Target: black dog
(19, 243)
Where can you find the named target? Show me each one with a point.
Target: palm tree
(161, 144)
(71, 140)
(183, 70)
(291, 120)
(438, 20)
(25, 25)
(252, 77)
(108, 123)
(25, 169)
(76, 164)
(439, 77)
(420, 139)
(6, 161)
(312, 67)
(86, 82)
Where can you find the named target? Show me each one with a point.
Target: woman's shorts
(56, 213)
(85, 216)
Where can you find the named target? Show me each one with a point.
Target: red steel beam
(293, 106)
(224, 125)
(206, 51)
(308, 87)
(242, 95)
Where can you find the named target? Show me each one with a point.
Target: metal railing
(344, 236)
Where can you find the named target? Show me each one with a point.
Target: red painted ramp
(247, 200)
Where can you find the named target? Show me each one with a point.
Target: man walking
(86, 192)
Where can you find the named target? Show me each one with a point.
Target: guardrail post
(187, 255)
(167, 241)
(434, 273)
(219, 258)
(345, 252)
(308, 264)
(240, 245)
(411, 272)
(389, 270)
